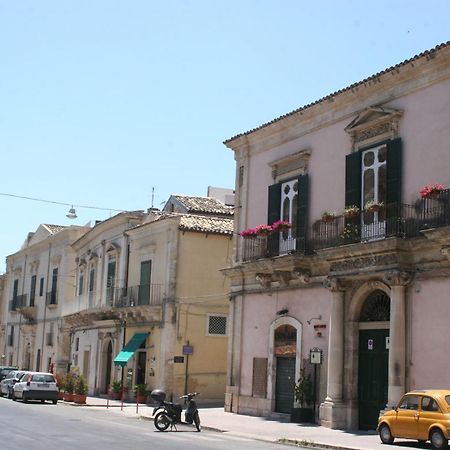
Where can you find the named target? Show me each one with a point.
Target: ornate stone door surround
(343, 347)
(271, 358)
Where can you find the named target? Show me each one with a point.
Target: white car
(36, 386)
(6, 385)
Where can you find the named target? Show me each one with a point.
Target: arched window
(376, 308)
(285, 340)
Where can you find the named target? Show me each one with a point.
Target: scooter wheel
(161, 421)
(197, 421)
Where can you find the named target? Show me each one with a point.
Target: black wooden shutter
(353, 179)
(274, 205)
(393, 185)
(302, 212)
(273, 214)
(394, 172)
(353, 183)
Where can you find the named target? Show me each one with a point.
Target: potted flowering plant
(263, 230)
(248, 233)
(281, 225)
(140, 390)
(431, 190)
(328, 216)
(373, 206)
(351, 211)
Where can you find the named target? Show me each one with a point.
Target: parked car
(4, 370)
(9, 381)
(36, 386)
(420, 415)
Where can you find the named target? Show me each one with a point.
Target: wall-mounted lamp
(72, 214)
(314, 318)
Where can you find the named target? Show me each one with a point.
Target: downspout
(45, 305)
(20, 317)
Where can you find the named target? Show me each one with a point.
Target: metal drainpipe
(20, 317)
(45, 305)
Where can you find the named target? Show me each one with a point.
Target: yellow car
(421, 415)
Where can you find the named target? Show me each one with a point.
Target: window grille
(217, 325)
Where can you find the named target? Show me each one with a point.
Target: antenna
(153, 195)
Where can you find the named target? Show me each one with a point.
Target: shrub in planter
(80, 389)
(116, 389)
(141, 393)
(303, 394)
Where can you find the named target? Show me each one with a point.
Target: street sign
(188, 349)
(178, 359)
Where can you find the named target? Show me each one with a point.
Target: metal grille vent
(217, 325)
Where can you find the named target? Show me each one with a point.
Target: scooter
(169, 414)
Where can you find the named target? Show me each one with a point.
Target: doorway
(108, 365)
(284, 386)
(372, 376)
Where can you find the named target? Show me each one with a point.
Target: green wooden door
(284, 388)
(373, 376)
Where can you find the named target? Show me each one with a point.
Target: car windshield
(447, 399)
(43, 378)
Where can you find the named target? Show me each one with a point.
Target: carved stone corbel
(333, 284)
(303, 275)
(264, 279)
(282, 276)
(398, 277)
(445, 250)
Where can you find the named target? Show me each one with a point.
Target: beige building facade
(361, 277)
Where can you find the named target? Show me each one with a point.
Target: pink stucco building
(368, 289)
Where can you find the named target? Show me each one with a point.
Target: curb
(311, 444)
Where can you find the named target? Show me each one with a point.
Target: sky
(104, 102)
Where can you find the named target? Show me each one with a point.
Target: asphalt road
(45, 426)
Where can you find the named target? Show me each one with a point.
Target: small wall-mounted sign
(369, 344)
(178, 359)
(188, 349)
(315, 356)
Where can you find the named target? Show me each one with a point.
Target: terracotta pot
(68, 397)
(141, 398)
(79, 399)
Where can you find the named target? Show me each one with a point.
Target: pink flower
(281, 225)
(430, 189)
(263, 229)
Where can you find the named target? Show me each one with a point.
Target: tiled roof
(54, 228)
(218, 225)
(428, 53)
(204, 205)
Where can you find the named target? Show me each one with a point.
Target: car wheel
(421, 442)
(162, 422)
(437, 439)
(13, 397)
(55, 402)
(386, 435)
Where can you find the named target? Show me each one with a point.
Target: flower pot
(68, 397)
(141, 398)
(433, 194)
(351, 215)
(80, 399)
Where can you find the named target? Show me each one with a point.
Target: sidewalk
(258, 428)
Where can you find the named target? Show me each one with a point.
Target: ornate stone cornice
(398, 278)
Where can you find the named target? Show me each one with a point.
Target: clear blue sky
(100, 100)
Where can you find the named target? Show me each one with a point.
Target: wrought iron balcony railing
(135, 296)
(404, 221)
(51, 298)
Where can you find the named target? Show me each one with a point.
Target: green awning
(128, 351)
